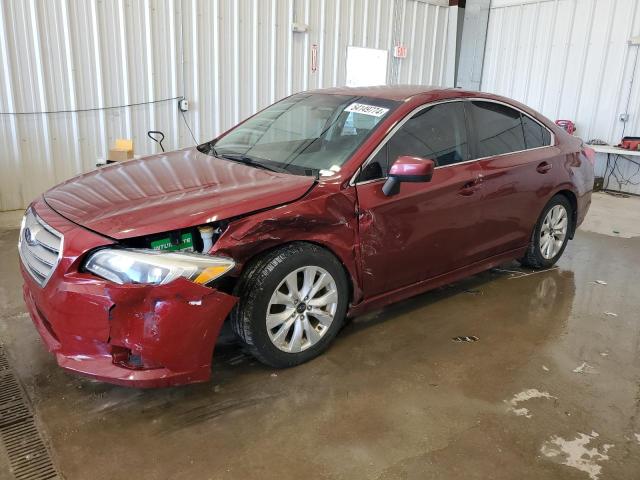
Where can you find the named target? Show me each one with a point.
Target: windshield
(307, 133)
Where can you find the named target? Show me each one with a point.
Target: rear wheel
(292, 304)
(550, 235)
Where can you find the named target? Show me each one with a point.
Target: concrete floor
(551, 388)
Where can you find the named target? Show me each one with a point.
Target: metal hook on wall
(152, 134)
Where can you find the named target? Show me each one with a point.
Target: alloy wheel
(554, 231)
(301, 309)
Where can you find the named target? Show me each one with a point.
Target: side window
(378, 167)
(535, 135)
(438, 133)
(498, 128)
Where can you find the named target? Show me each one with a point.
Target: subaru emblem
(29, 237)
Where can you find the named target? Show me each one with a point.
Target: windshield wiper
(247, 160)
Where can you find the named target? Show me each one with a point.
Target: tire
(308, 328)
(539, 257)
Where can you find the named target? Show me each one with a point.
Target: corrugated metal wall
(570, 59)
(228, 58)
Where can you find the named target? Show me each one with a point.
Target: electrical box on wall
(183, 104)
(299, 27)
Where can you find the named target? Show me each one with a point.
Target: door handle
(470, 188)
(544, 167)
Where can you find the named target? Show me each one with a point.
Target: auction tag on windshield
(366, 109)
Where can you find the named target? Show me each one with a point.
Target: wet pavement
(550, 388)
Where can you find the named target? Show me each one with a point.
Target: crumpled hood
(170, 191)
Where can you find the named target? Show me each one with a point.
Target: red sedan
(322, 206)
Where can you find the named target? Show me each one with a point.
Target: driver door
(429, 228)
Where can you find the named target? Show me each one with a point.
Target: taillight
(590, 153)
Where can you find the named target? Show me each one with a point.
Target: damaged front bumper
(132, 335)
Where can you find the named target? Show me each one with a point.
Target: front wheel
(292, 304)
(551, 234)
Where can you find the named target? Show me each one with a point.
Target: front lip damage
(174, 326)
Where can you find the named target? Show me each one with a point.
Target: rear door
(517, 162)
(427, 229)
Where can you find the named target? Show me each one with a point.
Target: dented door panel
(421, 232)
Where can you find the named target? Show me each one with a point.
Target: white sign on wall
(366, 66)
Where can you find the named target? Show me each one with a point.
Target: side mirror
(408, 169)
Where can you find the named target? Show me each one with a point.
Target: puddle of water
(584, 368)
(524, 396)
(576, 453)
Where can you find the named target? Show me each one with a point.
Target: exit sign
(400, 51)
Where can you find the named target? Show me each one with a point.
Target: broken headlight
(155, 267)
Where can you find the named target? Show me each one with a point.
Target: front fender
(326, 218)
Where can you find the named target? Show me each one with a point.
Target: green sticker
(186, 243)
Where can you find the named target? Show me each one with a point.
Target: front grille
(40, 247)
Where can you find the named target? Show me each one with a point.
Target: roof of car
(403, 93)
(390, 92)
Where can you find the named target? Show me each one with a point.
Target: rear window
(535, 135)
